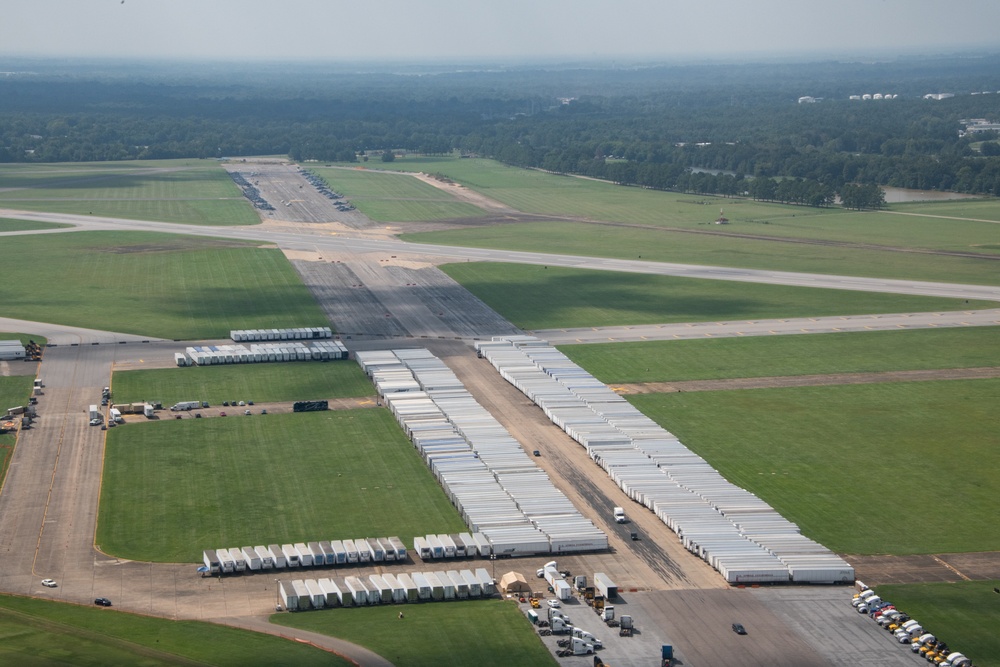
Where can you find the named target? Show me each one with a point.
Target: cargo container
(331, 590)
(225, 561)
(303, 594)
(486, 582)
(422, 548)
(339, 552)
(319, 556)
(378, 553)
(423, 586)
(94, 412)
(437, 586)
(148, 411)
(475, 588)
(305, 554)
(461, 586)
(448, 545)
(388, 551)
(329, 556)
(317, 596)
(211, 561)
(381, 587)
(483, 545)
(437, 549)
(352, 551)
(406, 581)
(344, 595)
(292, 555)
(364, 550)
(251, 557)
(278, 556)
(266, 559)
(470, 544)
(238, 560)
(563, 590)
(605, 586)
(289, 597)
(358, 591)
(400, 548)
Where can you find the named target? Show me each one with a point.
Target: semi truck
(619, 514)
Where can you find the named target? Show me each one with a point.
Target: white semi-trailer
(292, 556)
(238, 560)
(352, 551)
(280, 561)
(211, 561)
(266, 559)
(400, 548)
(251, 557)
(305, 554)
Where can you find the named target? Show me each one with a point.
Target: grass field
(474, 632)
(537, 297)
(196, 192)
(153, 284)
(261, 383)
(766, 356)
(175, 488)
(389, 197)
(42, 633)
(840, 461)
(966, 615)
(11, 225)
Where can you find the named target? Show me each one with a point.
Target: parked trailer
(483, 545)
(381, 587)
(423, 586)
(305, 554)
(317, 596)
(437, 586)
(251, 557)
(449, 546)
(238, 560)
(486, 582)
(352, 551)
(397, 588)
(388, 551)
(605, 586)
(364, 550)
(278, 556)
(211, 561)
(303, 593)
(359, 591)
(410, 586)
(344, 595)
(468, 543)
(461, 587)
(226, 561)
(329, 557)
(266, 559)
(378, 553)
(400, 548)
(475, 588)
(289, 597)
(422, 547)
(319, 556)
(339, 552)
(331, 590)
(292, 555)
(437, 549)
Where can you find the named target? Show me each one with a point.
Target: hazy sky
(505, 29)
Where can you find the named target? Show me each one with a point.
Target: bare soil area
(926, 568)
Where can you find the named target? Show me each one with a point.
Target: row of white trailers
(304, 554)
(11, 349)
(462, 545)
(485, 472)
(303, 594)
(210, 355)
(733, 530)
(302, 333)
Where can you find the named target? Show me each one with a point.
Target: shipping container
(292, 556)
(251, 557)
(280, 561)
(211, 561)
(266, 559)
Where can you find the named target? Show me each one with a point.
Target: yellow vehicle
(534, 603)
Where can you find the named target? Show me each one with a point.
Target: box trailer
(398, 590)
(422, 547)
(278, 556)
(483, 545)
(94, 412)
(317, 597)
(292, 555)
(461, 587)
(238, 560)
(305, 554)
(266, 559)
(339, 552)
(344, 595)
(423, 586)
(364, 550)
(437, 549)
(303, 594)
(358, 591)
(448, 546)
(388, 551)
(470, 544)
(225, 561)
(563, 590)
(289, 598)
(329, 557)
(437, 586)
(486, 582)
(147, 411)
(251, 557)
(378, 553)
(380, 586)
(475, 588)
(400, 548)
(319, 556)
(211, 561)
(352, 551)
(605, 586)
(331, 591)
(459, 543)
(410, 586)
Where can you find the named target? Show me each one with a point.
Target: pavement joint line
(952, 568)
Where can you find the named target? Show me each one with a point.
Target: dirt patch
(926, 568)
(462, 193)
(809, 380)
(179, 245)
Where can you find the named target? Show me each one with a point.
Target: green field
(966, 615)
(11, 225)
(152, 284)
(473, 632)
(175, 488)
(389, 197)
(195, 192)
(769, 356)
(41, 633)
(537, 297)
(836, 460)
(261, 383)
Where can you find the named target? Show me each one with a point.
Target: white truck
(619, 514)
(587, 637)
(185, 405)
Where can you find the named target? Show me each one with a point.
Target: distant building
(938, 96)
(806, 99)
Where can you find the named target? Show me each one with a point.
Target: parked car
(49, 583)
(739, 629)
(102, 602)
(96, 421)
(222, 414)
(555, 604)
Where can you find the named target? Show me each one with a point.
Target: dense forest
(713, 128)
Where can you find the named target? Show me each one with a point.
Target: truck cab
(619, 515)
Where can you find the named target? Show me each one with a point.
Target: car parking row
(250, 191)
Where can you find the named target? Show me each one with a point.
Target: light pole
(277, 598)
(493, 559)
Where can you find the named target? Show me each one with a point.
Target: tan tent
(514, 582)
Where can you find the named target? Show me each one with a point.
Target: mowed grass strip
(769, 356)
(392, 197)
(261, 383)
(966, 614)
(538, 297)
(174, 488)
(12, 225)
(38, 632)
(182, 191)
(472, 632)
(151, 284)
(852, 465)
